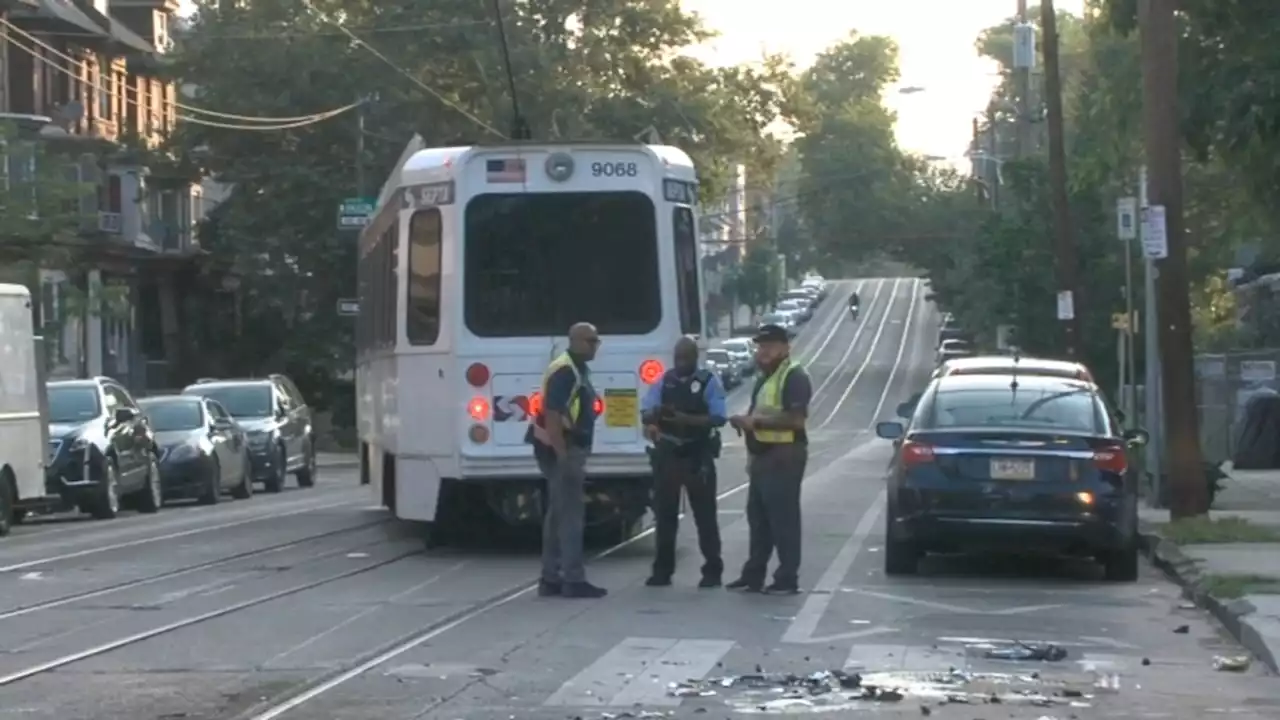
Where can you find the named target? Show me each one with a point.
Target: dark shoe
(744, 585)
(709, 582)
(582, 590)
(778, 588)
(547, 588)
(658, 581)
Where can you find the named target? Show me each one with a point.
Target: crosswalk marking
(637, 671)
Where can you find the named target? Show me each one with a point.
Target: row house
(83, 80)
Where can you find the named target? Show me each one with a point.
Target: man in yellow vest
(561, 434)
(777, 450)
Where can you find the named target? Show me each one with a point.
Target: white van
(24, 435)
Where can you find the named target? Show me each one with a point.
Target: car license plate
(621, 408)
(1013, 469)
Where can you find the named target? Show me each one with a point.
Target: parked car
(102, 451)
(951, 330)
(1014, 364)
(802, 309)
(987, 465)
(781, 319)
(807, 296)
(203, 450)
(952, 349)
(743, 351)
(722, 363)
(277, 422)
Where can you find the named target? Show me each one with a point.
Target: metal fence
(1225, 382)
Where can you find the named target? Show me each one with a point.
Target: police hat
(772, 333)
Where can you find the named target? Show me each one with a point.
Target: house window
(113, 201)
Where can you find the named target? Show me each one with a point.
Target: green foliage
(754, 281)
(41, 216)
(584, 69)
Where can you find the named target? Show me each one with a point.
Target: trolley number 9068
(614, 169)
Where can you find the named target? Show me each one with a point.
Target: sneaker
(744, 585)
(709, 581)
(582, 590)
(778, 588)
(658, 581)
(547, 588)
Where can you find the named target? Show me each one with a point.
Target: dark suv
(101, 449)
(277, 421)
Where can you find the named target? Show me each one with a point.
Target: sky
(936, 45)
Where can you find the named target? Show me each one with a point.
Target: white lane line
(609, 675)
(865, 658)
(686, 660)
(839, 364)
(871, 353)
(805, 623)
(839, 323)
(897, 361)
(169, 536)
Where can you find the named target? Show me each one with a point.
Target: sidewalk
(1229, 563)
(337, 461)
(742, 320)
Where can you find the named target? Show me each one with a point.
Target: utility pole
(974, 155)
(1159, 37)
(1064, 234)
(993, 157)
(360, 180)
(1024, 59)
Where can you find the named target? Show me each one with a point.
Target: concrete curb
(1186, 572)
(338, 463)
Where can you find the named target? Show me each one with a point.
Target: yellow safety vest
(563, 360)
(769, 400)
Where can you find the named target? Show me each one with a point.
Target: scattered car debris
(1023, 652)
(1235, 663)
(1182, 630)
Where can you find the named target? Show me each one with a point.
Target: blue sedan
(989, 463)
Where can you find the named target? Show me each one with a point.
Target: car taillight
(478, 409)
(915, 453)
(1111, 459)
(477, 375)
(650, 371)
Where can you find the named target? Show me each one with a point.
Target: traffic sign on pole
(1127, 218)
(1155, 234)
(354, 213)
(348, 306)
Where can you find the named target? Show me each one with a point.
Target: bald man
(681, 414)
(562, 434)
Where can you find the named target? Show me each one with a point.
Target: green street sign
(354, 213)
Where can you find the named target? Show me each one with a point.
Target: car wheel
(275, 483)
(307, 473)
(900, 558)
(151, 497)
(106, 501)
(244, 490)
(213, 486)
(1121, 565)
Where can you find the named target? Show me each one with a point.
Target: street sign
(1155, 233)
(1120, 321)
(348, 306)
(354, 213)
(1066, 305)
(1127, 218)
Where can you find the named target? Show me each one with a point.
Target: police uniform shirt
(796, 393)
(709, 386)
(560, 388)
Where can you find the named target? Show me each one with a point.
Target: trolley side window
(376, 278)
(422, 314)
(689, 297)
(535, 263)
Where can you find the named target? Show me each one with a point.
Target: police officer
(777, 450)
(681, 415)
(561, 435)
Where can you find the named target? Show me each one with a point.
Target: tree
(604, 69)
(41, 215)
(755, 280)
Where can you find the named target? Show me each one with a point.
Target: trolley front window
(535, 263)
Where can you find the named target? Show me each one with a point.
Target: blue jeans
(563, 523)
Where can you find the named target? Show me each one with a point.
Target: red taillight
(535, 404)
(650, 371)
(1111, 459)
(477, 375)
(599, 407)
(914, 453)
(478, 409)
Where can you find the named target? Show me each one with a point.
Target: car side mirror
(124, 415)
(890, 430)
(1136, 437)
(281, 412)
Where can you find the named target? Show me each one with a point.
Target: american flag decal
(505, 171)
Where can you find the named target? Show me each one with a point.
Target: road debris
(1024, 652)
(1235, 663)
(1182, 630)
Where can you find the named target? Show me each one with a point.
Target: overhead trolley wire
(268, 123)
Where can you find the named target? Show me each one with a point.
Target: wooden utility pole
(1022, 76)
(1064, 234)
(1188, 493)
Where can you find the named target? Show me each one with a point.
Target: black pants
(697, 477)
(773, 513)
